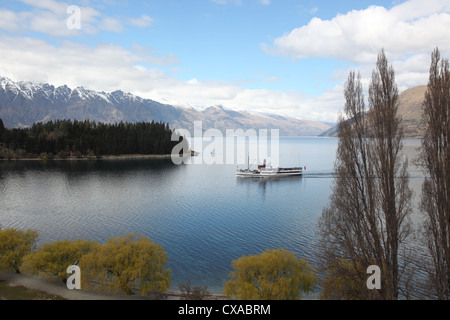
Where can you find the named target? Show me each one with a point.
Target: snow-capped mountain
(25, 103)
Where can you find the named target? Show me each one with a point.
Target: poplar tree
(368, 217)
(436, 187)
(390, 168)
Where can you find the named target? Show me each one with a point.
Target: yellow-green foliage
(272, 275)
(123, 263)
(53, 259)
(343, 281)
(346, 280)
(14, 246)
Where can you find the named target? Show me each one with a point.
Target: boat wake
(319, 174)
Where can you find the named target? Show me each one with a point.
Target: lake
(203, 215)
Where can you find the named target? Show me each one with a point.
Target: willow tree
(271, 275)
(52, 259)
(436, 188)
(367, 219)
(14, 246)
(125, 263)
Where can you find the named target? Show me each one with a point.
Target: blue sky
(288, 57)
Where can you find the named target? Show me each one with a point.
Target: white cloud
(56, 7)
(50, 17)
(111, 24)
(415, 26)
(143, 21)
(12, 21)
(240, 2)
(222, 2)
(356, 36)
(264, 2)
(104, 66)
(408, 32)
(149, 56)
(110, 67)
(313, 10)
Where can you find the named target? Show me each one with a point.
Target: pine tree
(2, 132)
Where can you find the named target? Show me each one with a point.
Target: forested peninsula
(67, 139)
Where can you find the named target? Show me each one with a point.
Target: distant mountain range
(25, 103)
(409, 108)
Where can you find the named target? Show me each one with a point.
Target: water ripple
(202, 215)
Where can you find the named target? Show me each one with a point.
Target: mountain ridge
(409, 108)
(23, 103)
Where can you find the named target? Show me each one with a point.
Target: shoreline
(119, 157)
(59, 289)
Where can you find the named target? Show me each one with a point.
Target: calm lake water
(202, 215)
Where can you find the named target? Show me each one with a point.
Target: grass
(9, 292)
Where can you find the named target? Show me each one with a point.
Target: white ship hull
(270, 172)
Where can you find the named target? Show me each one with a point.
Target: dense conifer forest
(85, 139)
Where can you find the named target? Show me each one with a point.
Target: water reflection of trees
(82, 166)
(74, 170)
